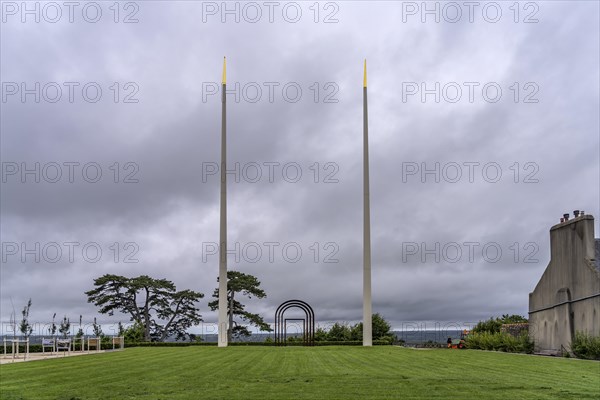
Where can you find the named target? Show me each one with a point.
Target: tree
(356, 333)
(25, 327)
(339, 333)
(247, 285)
(320, 335)
(97, 329)
(493, 325)
(134, 333)
(53, 326)
(195, 338)
(154, 303)
(65, 326)
(380, 329)
(80, 331)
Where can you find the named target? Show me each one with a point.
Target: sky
(483, 132)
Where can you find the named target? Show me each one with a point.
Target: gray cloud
(171, 133)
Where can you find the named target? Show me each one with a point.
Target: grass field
(382, 372)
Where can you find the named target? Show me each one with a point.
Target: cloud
(154, 202)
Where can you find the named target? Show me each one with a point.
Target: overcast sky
(497, 104)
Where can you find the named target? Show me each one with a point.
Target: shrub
(169, 344)
(492, 325)
(33, 348)
(430, 344)
(134, 333)
(389, 339)
(381, 329)
(339, 332)
(586, 346)
(500, 342)
(300, 343)
(377, 342)
(37, 348)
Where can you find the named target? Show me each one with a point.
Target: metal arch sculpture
(309, 325)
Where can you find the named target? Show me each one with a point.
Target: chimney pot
(566, 217)
(562, 220)
(581, 213)
(576, 213)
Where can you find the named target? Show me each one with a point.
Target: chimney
(566, 217)
(562, 220)
(574, 236)
(575, 213)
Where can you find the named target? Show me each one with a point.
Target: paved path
(7, 359)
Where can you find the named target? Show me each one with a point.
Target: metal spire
(223, 228)
(367, 306)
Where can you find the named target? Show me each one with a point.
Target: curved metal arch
(296, 303)
(309, 332)
(309, 313)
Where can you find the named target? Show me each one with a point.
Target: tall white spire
(367, 305)
(222, 339)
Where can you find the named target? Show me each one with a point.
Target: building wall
(571, 275)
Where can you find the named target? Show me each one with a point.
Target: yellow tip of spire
(224, 70)
(365, 79)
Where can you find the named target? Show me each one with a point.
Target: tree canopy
(247, 285)
(155, 304)
(339, 332)
(493, 325)
(380, 328)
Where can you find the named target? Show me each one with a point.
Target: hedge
(37, 348)
(586, 346)
(500, 342)
(187, 344)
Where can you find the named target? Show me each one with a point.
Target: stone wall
(515, 329)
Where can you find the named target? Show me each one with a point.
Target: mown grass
(384, 372)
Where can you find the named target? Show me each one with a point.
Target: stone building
(567, 297)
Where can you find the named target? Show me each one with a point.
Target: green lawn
(382, 372)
